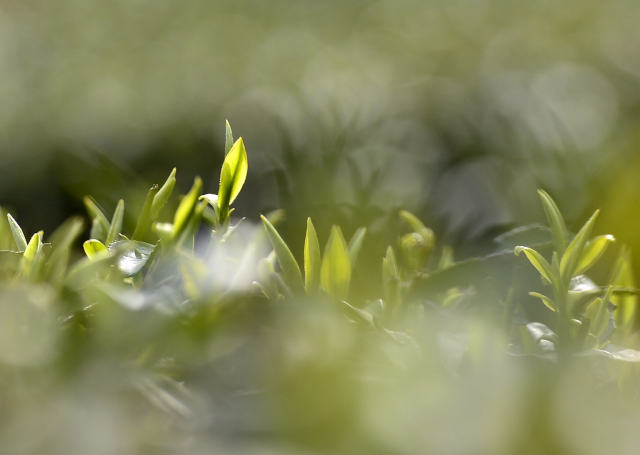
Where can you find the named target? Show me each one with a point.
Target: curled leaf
(536, 260)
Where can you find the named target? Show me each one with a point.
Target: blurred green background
(457, 110)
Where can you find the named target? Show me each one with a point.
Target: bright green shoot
(569, 260)
(232, 177)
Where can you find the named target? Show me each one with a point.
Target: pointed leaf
(186, 208)
(18, 235)
(573, 253)
(556, 221)
(33, 247)
(540, 263)
(228, 138)
(626, 305)
(593, 250)
(143, 226)
(232, 175)
(288, 264)
(312, 259)
(546, 300)
(335, 274)
(95, 212)
(162, 196)
(355, 245)
(116, 223)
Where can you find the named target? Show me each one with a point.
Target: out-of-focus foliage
(428, 105)
(406, 134)
(208, 336)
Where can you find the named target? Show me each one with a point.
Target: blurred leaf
(288, 264)
(96, 213)
(18, 235)
(626, 304)
(390, 275)
(593, 250)
(355, 244)
(427, 234)
(545, 300)
(162, 196)
(143, 226)
(131, 255)
(62, 241)
(335, 274)
(186, 208)
(524, 235)
(116, 223)
(97, 230)
(556, 221)
(539, 262)
(573, 253)
(312, 259)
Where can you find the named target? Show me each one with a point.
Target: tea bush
(196, 331)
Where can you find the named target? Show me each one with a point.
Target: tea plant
(586, 314)
(193, 293)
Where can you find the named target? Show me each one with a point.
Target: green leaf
(428, 237)
(355, 244)
(143, 226)
(32, 256)
(186, 208)
(626, 305)
(573, 253)
(335, 273)
(556, 221)
(540, 263)
(288, 264)
(390, 275)
(95, 249)
(546, 300)
(96, 213)
(18, 235)
(33, 247)
(62, 242)
(162, 196)
(593, 250)
(228, 138)
(116, 223)
(312, 259)
(232, 176)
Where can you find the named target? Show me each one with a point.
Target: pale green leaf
(573, 253)
(355, 244)
(18, 235)
(143, 226)
(96, 213)
(545, 300)
(593, 250)
(556, 221)
(186, 208)
(538, 261)
(335, 274)
(286, 260)
(162, 196)
(228, 138)
(116, 223)
(312, 259)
